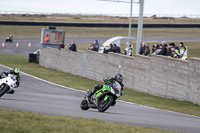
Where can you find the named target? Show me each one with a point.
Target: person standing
(147, 50)
(46, 38)
(96, 45)
(142, 48)
(163, 48)
(183, 51)
(72, 47)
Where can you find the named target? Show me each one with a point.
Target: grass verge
(81, 83)
(93, 18)
(35, 31)
(22, 122)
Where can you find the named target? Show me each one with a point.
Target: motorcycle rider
(118, 77)
(11, 37)
(16, 72)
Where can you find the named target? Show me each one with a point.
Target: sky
(151, 7)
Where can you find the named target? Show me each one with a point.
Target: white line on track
(84, 92)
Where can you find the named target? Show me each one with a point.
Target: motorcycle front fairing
(9, 80)
(99, 94)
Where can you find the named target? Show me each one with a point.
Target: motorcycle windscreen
(117, 88)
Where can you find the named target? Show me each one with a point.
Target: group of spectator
(94, 46)
(71, 47)
(170, 50)
(165, 49)
(113, 48)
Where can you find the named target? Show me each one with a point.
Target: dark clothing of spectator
(169, 52)
(176, 47)
(117, 49)
(163, 51)
(153, 50)
(111, 48)
(141, 50)
(72, 47)
(147, 51)
(173, 45)
(94, 49)
(61, 46)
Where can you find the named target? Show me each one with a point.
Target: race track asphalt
(35, 95)
(38, 96)
(23, 48)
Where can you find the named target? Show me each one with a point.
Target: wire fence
(120, 15)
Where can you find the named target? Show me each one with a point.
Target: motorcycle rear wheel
(84, 105)
(3, 90)
(104, 105)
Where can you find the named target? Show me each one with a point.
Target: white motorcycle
(8, 83)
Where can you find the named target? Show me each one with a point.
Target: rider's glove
(106, 80)
(121, 93)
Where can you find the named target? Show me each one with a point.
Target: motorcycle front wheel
(3, 90)
(84, 104)
(104, 105)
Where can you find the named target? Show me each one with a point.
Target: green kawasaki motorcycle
(103, 98)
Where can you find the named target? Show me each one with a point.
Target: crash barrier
(156, 75)
(74, 24)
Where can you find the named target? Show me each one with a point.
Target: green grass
(81, 83)
(93, 18)
(35, 31)
(23, 122)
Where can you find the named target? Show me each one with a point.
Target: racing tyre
(84, 105)
(104, 105)
(3, 90)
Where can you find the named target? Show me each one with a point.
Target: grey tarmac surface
(23, 48)
(38, 96)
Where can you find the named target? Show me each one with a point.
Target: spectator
(183, 51)
(174, 53)
(117, 49)
(158, 49)
(176, 47)
(129, 49)
(90, 46)
(72, 47)
(46, 38)
(111, 48)
(154, 47)
(172, 45)
(96, 45)
(93, 48)
(61, 45)
(142, 48)
(169, 49)
(147, 50)
(163, 48)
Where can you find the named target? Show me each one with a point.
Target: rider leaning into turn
(16, 72)
(118, 77)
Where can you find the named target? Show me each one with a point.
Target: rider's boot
(113, 104)
(96, 88)
(11, 92)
